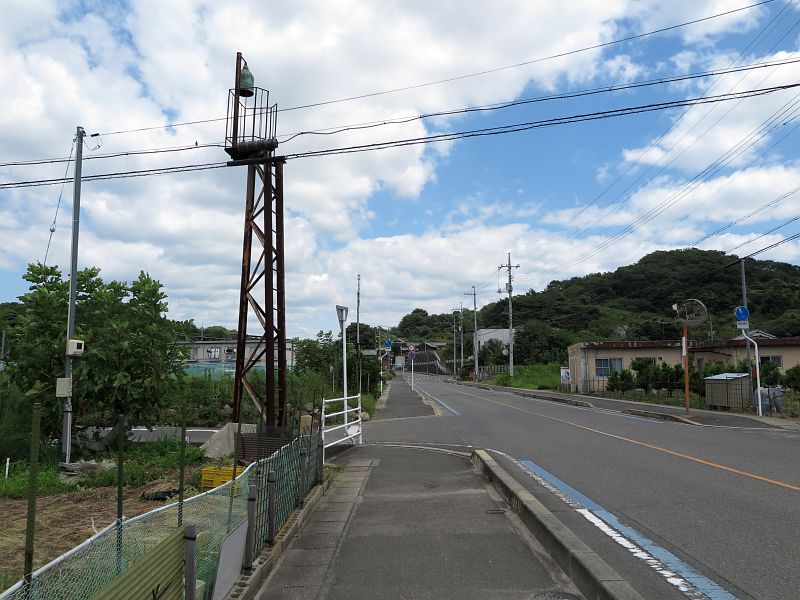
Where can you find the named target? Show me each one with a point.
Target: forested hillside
(634, 302)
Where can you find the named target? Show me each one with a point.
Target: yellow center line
(696, 459)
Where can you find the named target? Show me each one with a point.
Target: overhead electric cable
(466, 76)
(488, 131)
(537, 99)
(644, 176)
(764, 234)
(676, 196)
(46, 161)
(58, 206)
(503, 129)
(775, 245)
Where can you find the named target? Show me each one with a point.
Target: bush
(16, 486)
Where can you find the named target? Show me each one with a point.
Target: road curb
(659, 415)
(249, 584)
(591, 574)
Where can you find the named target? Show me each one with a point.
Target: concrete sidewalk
(416, 523)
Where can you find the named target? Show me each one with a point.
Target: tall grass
(533, 377)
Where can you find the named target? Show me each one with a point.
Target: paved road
(685, 511)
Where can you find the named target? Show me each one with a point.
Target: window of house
(775, 358)
(603, 366)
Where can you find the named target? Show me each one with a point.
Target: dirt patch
(62, 522)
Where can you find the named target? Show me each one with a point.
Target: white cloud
(169, 60)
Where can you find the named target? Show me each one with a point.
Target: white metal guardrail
(339, 433)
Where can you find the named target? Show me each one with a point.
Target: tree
(645, 373)
(491, 353)
(792, 377)
(317, 355)
(536, 342)
(131, 359)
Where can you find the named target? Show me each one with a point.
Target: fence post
(271, 508)
(190, 573)
(120, 485)
(320, 458)
(251, 528)
(360, 423)
(322, 428)
(301, 481)
(33, 479)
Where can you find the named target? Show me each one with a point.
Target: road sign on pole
(412, 347)
(388, 343)
(741, 313)
(412, 355)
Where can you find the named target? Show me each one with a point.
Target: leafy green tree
(792, 377)
(645, 373)
(130, 362)
(770, 374)
(491, 353)
(317, 355)
(536, 342)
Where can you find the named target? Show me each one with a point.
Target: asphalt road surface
(682, 511)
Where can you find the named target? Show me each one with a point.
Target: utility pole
(475, 331)
(509, 288)
(454, 345)
(358, 332)
(744, 303)
(461, 331)
(66, 430)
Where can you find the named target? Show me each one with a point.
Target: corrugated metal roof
(726, 376)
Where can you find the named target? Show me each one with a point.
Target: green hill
(634, 302)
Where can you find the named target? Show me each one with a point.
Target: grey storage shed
(729, 391)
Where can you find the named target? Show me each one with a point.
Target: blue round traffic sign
(741, 313)
(412, 355)
(388, 343)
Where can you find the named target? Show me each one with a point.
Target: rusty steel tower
(250, 141)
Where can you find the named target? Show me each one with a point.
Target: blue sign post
(741, 313)
(388, 343)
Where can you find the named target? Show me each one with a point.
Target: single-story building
(221, 354)
(591, 362)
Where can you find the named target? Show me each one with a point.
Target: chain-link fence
(85, 569)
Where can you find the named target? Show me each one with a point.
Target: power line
(766, 233)
(58, 206)
(489, 131)
(514, 128)
(643, 177)
(514, 103)
(745, 217)
(461, 77)
(457, 111)
(771, 246)
(47, 161)
(118, 175)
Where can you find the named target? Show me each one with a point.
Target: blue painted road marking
(452, 410)
(708, 587)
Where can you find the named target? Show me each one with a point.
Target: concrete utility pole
(744, 303)
(461, 331)
(358, 332)
(66, 431)
(475, 332)
(509, 288)
(455, 370)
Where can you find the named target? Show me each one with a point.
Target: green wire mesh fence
(87, 568)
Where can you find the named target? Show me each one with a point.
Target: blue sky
(421, 224)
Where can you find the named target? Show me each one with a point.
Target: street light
(341, 312)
